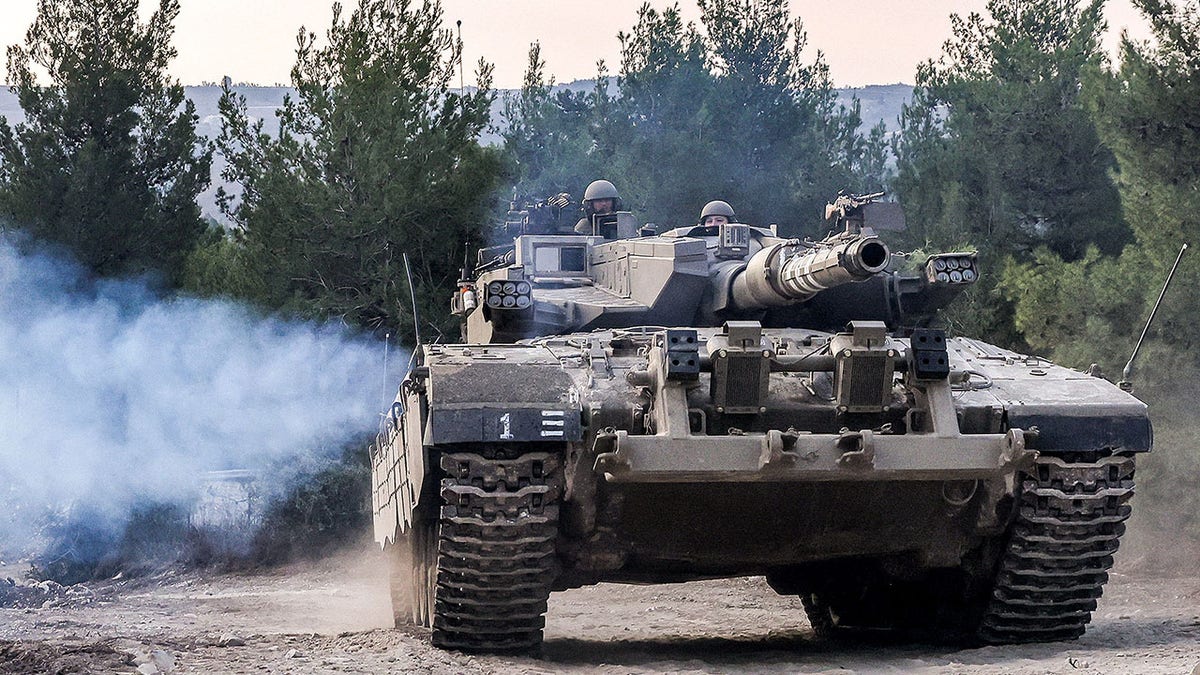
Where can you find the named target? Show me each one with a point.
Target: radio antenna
(462, 87)
(412, 297)
(387, 337)
(1125, 383)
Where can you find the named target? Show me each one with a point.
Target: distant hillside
(880, 103)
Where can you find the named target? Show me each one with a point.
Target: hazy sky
(865, 42)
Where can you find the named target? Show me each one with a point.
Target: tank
(700, 403)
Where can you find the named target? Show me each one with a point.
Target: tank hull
(623, 456)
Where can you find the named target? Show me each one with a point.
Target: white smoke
(111, 396)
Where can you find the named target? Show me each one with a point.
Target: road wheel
(413, 572)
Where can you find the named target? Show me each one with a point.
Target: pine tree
(780, 123)
(727, 110)
(546, 134)
(107, 164)
(377, 155)
(997, 147)
(997, 151)
(664, 151)
(1148, 112)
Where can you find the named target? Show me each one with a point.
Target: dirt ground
(333, 617)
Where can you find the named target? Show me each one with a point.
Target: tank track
(496, 556)
(1070, 517)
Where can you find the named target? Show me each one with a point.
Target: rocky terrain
(334, 617)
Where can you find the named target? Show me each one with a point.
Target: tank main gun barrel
(790, 272)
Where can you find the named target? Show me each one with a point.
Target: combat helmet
(601, 189)
(717, 208)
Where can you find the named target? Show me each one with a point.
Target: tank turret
(555, 279)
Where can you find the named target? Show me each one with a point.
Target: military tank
(711, 402)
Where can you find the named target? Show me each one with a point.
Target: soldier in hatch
(716, 213)
(600, 198)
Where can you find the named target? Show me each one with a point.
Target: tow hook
(858, 449)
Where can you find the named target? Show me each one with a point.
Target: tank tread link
(498, 525)
(1068, 525)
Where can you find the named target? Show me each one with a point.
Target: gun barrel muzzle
(783, 274)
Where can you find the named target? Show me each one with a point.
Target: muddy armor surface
(713, 402)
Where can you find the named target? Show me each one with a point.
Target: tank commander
(600, 198)
(717, 213)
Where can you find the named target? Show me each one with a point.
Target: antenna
(386, 344)
(412, 297)
(462, 88)
(1126, 384)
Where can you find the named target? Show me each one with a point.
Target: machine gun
(544, 216)
(525, 216)
(849, 210)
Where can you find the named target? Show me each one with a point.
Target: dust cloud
(112, 396)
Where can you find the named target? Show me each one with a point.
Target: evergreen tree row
(725, 110)
(1070, 175)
